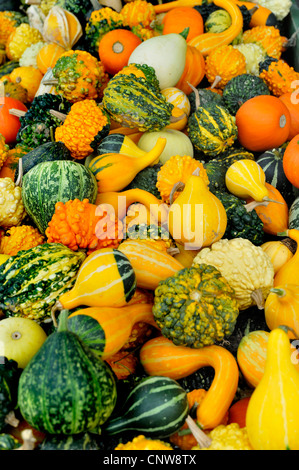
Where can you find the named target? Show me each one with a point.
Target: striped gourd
(135, 102)
(65, 388)
(294, 214)
(271, 163)
(31, 281)
(105, 279)
(96, 326)
(151, 265)
(50, 182)
(119, 143)
(211, 129)
(157, 407)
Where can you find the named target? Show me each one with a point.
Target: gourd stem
(196, 93)
(253, 10)
(280, 292)
(32, 2)
(20, 175)
(50, 81)
(28, 440)
(57, 114)
(17, 112)
(179, 186)
(291, 42)
(63, 316)
(267, 199)
(177, 118)
(258, 298)
(114, 4)
(11, 419)
(185, 32)
(203, 440)
(290, 244)
(287, 328)
(252, 205)
(216, 81)
(173, 251)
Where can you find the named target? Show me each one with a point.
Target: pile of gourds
(149, 226)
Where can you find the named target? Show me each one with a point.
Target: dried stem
(203, 440)
(258, 298)
(57, 114)
(17, 112)
(179, 186)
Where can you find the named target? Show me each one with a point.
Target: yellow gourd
(117, 323)
(105, 279)
(197, 218)
(273, 409)
(114, 171)
(246, 179)
(288, 273)
(282, 308)
(62, 27)
(279, 252)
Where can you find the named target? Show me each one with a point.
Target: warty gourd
(246, 267)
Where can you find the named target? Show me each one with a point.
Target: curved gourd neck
(62, 321)
(278, 352)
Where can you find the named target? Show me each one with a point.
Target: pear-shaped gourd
(273, 410)
(245, 179)
(197, 218)
(288, 273)
(166, 54)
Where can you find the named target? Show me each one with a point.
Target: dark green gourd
(9, 377)
(242, 88)
(65, 388)
(157, 407)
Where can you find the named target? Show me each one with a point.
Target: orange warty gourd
(263, 123)
(288, 273)
(224, 63)
(117, 323)
(177, 19)
(282, 308)
(291, 161)
(159, 356)
(115, 49)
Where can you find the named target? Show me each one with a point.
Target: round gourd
(166, 54)
(50, 182)
(282, 308)
(20, 339)
(65, 388)
(291, 160)
(177, 143)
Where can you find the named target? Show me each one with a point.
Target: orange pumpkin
(176, 20)
(115, 49)
(274, 215)
(292, 103)
(263, 123)
(194, 71)
(9, 124)
(237, 412)
(291, 161)
(48, 55)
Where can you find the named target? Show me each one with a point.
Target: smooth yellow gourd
(288, 273)
(273, 409)
(197, 218)
(282, 308)
(279, 253)
(246, 179)
(114, 171)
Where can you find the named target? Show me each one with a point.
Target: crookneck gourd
(195, 307)
(247, 268)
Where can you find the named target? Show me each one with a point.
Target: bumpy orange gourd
(82, 225)
(151, 265)
(197, 218)
(268, 37)
(159, 356)
(288, 273)
(22, 237)
(273, 409)
(4, 149)
(136, 12)
(279, 77)
(223, 64)
(177, 170)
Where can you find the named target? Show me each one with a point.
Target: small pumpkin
(290, 161)
(177, 19)
(292, 104)
(282, 308)
(287, 274)
(263, 123)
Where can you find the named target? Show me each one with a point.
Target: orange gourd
(194, 70)
(288, 273)
(159, 356)
(237, 412)
(177, 19)
(29, 77)
(150, 264)
(48, 55)
(115, 49)
(117, 323)
(263, 123)
(10, 124)
(292, 103)
(224, 63)
(274, 215)
(282, 308)
(291, 161)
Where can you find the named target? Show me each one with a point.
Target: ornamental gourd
(60, 395)
(271, 418)
(159, 356)
(197, 217)
(288, 273)
(62, 27)
(246, 267)
(282, 308)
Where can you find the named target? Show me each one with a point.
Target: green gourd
(157, 406)
(65, 388)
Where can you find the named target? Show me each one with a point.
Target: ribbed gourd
(65, 388)
(132, 98)
(31, 280)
